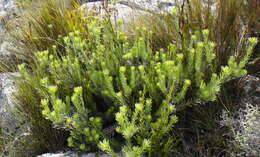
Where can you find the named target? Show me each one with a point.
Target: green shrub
(84, 84)
(229, 23)
(99, 85)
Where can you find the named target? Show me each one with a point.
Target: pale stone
(7, 90)
(73, 154)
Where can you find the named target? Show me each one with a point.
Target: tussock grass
(229, 22)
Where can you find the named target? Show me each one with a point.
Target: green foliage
(229, 22)
(91, 78)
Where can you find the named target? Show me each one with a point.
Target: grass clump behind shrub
(45, 23)
(45, 137)
(229, 22)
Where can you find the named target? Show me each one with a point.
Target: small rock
(128, 9)
(8, 9)
(250, 89)
(7, 89)
(73, 154)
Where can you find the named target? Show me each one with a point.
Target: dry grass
(224, 18)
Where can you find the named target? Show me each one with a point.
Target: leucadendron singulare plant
(122, 84)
